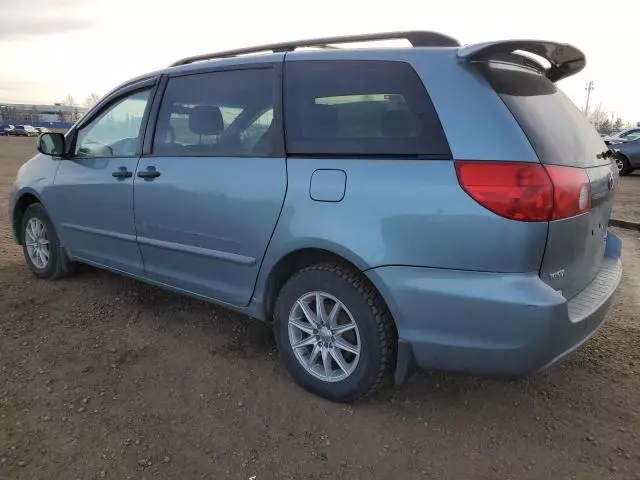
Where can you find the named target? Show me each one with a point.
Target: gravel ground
(104, 377)
(627, 206)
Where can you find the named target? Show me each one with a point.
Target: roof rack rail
(416, 38)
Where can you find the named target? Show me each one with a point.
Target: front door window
(116, 131)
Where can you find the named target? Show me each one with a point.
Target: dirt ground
(104, 377)
(627, 205)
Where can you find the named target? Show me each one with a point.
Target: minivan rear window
(559, 133)
(360, 108)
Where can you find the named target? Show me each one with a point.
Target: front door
(209, 195)
(93, 189)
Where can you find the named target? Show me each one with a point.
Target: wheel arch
(292, 262)
(25, 200)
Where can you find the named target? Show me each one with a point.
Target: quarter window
(359, 108)
(226, 113)
(116, 131)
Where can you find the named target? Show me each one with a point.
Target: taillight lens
(571, 191)
(527, 192)
(520, 191)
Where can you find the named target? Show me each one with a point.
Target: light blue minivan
(439, 205)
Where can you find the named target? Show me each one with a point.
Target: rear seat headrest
(397, 123)
(321, 122)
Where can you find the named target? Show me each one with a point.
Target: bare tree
(70, 114)
(605, 127)
(598, 115)
(91, 100)
(604, 121)
(618, 124)
(69, 100)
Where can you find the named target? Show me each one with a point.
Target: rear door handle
(122, 172)
(149, 174)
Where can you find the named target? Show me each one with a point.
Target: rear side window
(559, 133)
(224, 113)
(631, 135)
(359, 108)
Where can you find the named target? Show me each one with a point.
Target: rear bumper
(492, 323)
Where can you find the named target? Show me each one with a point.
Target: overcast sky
(51, 48)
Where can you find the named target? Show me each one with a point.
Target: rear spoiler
(565, 59)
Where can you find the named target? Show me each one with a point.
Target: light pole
(588, 88)
(612, 114)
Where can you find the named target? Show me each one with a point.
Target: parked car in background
(42, 129)
(24, 131)
(384, 226)
(623, 136)
(627, 156)
(6, 129)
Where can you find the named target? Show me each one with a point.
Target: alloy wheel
(324, 336)
(37, 243)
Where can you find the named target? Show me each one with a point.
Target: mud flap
(65, 264)
(404, 362)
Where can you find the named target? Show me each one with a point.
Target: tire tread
(384, 322)
(61, 267)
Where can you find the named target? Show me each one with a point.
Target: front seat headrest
(206, 120)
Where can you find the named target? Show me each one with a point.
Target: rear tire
(624, 167)
(352, 352)
(41, 246)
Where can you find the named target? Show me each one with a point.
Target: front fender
(17, 199)
(33, 180)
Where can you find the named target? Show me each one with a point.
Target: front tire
(334, 332)
(41, 246)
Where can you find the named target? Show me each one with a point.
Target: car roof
(385, 53)
(565, 59)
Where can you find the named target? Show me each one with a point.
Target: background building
(55, 115)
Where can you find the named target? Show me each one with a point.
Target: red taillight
(528, 192)
(520, 191)
(571, 191)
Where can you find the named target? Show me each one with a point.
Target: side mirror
(51, 144)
